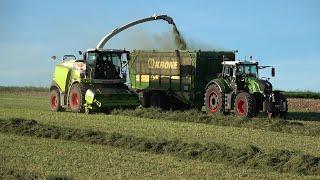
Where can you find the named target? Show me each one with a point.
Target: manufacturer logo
(157, 64)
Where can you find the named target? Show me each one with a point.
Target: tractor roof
(233, 63)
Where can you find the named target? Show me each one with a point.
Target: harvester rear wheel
(245, 105)
(55, 104)
(76, 98)
(214, 100)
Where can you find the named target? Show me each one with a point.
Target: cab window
(92, 57)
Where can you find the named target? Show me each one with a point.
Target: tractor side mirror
(273, 72)
(53, 58)
(128, 57)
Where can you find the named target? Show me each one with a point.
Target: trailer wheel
(55, 104)
(144, 99)
(155, 100)
(214, 100)
(76, 98)
(245, 105)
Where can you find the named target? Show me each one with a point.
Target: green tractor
(240, 88)
(95, 83)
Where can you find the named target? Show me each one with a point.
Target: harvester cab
(240, 88)
(95, 82)
(106, 64)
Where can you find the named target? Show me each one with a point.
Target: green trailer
(174, 79)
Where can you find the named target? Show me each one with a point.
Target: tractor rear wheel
(76, 98)
(55, 104)
(214, 100)
(245, 105)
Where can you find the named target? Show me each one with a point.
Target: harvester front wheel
(245, 105)
(55, 104)
(76, 98)
(214, 100)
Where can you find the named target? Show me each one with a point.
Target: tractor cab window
(248, 70)
(228, 71)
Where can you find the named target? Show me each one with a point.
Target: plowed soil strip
(276, 125)
(252, 157)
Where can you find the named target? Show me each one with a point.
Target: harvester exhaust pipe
(154, 17)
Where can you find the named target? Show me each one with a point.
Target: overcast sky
(283, 33)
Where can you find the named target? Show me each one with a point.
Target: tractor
(239, 87)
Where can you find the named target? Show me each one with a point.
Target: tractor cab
(237, 70)
(244, 76)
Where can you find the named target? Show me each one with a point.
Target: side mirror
(273, 72)
(53, 58)
(128, 57)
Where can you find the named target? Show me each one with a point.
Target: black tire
(279, 97)
(245, 105)
(55, 103)
(145, 99)
(155, 100)
(76, 98)
(214, 100)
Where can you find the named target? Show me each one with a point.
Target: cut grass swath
(252, 156)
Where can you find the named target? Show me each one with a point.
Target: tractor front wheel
(245, 105)
(76, 98)
(214, 100)
(55, 104)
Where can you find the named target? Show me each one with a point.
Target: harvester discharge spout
(155, 17)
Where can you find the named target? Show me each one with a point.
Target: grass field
(152, 143)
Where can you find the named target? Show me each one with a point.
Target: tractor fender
(222, 85)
